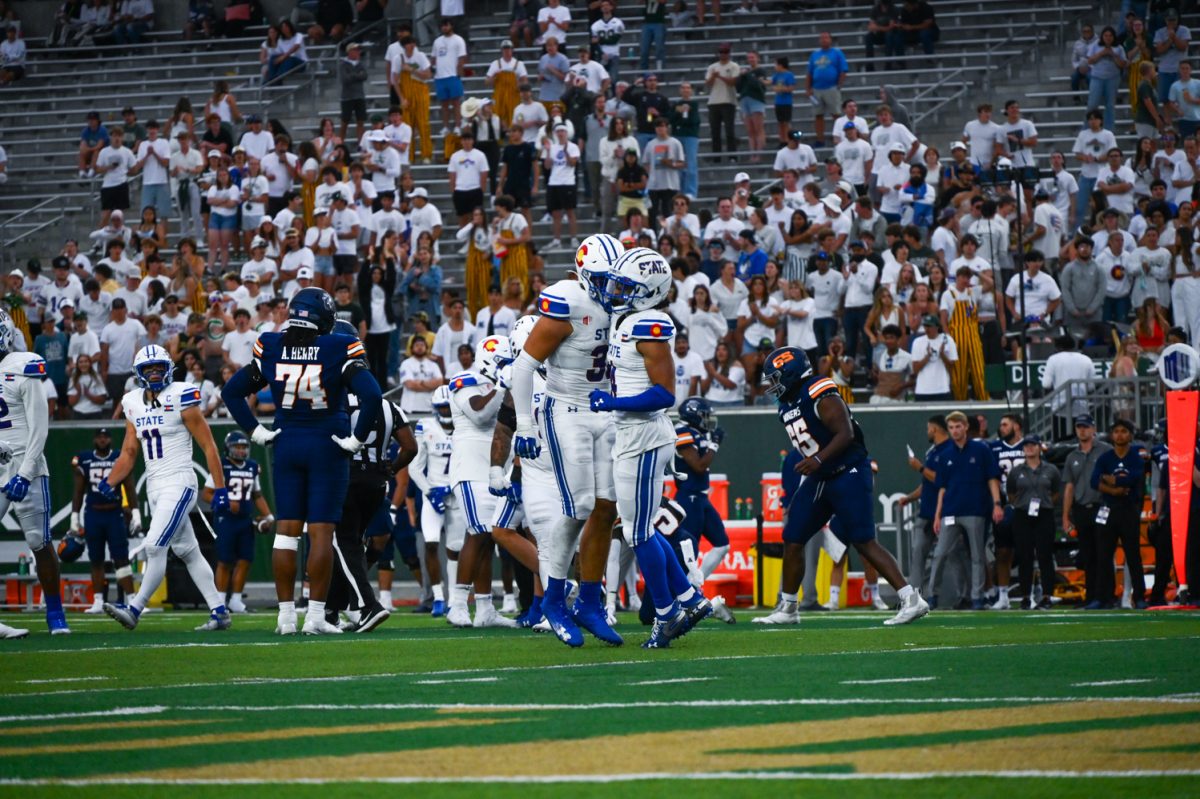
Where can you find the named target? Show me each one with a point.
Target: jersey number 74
(301, 381)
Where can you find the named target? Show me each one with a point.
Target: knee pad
(184, 551)
(286, 542)
(35, 540)
(155, 552)
(124, 571)
(387, 565)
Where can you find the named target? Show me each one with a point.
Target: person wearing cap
(468, 171)
(826, 286)
(64, 288)
(1117, 475)
(256, 141)
(560, 158)
(855, 156)
(449, 53)
(1080, 500)
(113, 164)
(1033, 489)
(92, 139)
(594, 76)
(504, 75)
(933, 357)
(352, 78)
(118, 344)
(1082, 283)
(382, 162)
(890, 178)
(529, 116)
(153, 160)
(261, 268)
(347, 225)
(1041, 296)
(959, 308)
(721, 79)
(131, 293)
(424, 217)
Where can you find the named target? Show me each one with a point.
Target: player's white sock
(1003, 591)
(152, 577)
(451, 576)
(712, 559)
(789, 597)
(458, 596)
(563, 545)
(835, 594)
(438, 593)
(385, 599)
(612, 575)
(874, 589)
(905, 592)
(316, 609)
(287, 607)
(202, 575)
(482, 602)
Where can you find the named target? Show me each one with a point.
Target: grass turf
(1065, 703)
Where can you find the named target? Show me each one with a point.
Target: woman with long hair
(776, 285)
(223, 199)
(148, 228)
(797, 314)
(376, 284)
(291, 55)
(86, 393)
(1142, 164)
(937, 281)
(838, 367)
(919, 304)
(1106, 59)
(612, 155)
(1150, 326)
(758, 316)
(223, 104)
(884, 311)
(1124, 368)
(182, 120)
(705, 324)
(478, 275)
(752, 94)
(326, 141)
(1185, 289)
(906, 284)
(685, 243)
(188, 275)
(510, 241)
(268, 50)
(799, 240)
(724, 381)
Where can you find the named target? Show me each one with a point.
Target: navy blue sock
(676, 576)
(556, 591)
(53, 604)
(590, 594)
(653, 565)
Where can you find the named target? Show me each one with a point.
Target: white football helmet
(441, 406)
(492, 353)
(149, 359)
(594, 260)
(521, 331)
(8, 333)
(639, 280)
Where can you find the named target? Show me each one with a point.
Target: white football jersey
(166, 442)
(24, 413)
(638, 432)
(431, 467)
(541, 464)
(472, 451)
(579, 364)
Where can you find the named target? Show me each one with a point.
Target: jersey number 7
(301, 381)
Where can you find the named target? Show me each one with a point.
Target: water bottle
(749, 508)
(23, 564)
(738, 511)
(782, 458)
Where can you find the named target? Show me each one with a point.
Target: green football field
(1055, 704)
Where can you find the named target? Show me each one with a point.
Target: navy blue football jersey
(1162, 462)
(309, 382)
(686, 480)
(1008, 456)
(242, 482)
(810, 435)
(95, 468)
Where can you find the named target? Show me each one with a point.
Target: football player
(100, 523)
(697, 440)
(441, 516)
(571, 337)
(643, 376)
(24, 476)
(836, 480)
(236, 525)
(1009, 452)
(162, 418)
(309, 370)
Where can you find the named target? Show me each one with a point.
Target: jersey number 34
(301, 381)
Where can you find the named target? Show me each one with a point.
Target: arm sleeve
(654, 398)
(522, 389)
(245, 381)
(37, 417)
(482, 416)
(370, 399)
(416, 469)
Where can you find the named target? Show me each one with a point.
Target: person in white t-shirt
(856, 157)
(281, 169)
(889, 132)
(560, 158)
(153, 158)
(932, 356)
(449, 58)
(424, 217)
(454, 332)
(593, 72)
(850, 117)
(553, 20)
(724, 382)
(238, 344)
(468, 170)
(1042, 295)
(795, 155)
(689, 370)
(259, 266)
(399, 136)
(797, 313)
(890, 178)
(114, 163)
(385, 219)
(1048, 227)
(420, 375)
(980, 136)
(256, 141)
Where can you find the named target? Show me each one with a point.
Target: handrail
(1138, 399)
(27, 211)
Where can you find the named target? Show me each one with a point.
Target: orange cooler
(772, 496)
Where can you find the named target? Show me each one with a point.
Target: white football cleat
(784, 613)
(286, 625)
(316, 625)
(1001, 603)
(832, 604)
(509, 605)
(458, 616)
(542, 626)
(96, 608)
(879, 603)
(635, 603)
(911, 609)
(721, 610)
(12, 632)
(488, 617)
(237, 605)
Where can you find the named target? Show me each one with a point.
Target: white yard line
(83, 714)
(888, 680)
(672, 681)
(461, 679)
(57, 680)
(1104, 683)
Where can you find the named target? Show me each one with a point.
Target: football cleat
(12, 632)
(125, 614)
(1002, 603)
(96, 607)
(561, 624)
(238, 605)
(879, 603)
(911, 609)
(216, 621)
(663, 631)
(721, 611)
(509, 605)
(784, 613)
(438, 608)
(57, 622)
(286, 625)
(694, 614)
(487, 616)
(459, 616)
(372, 618)
(316, 625)
(542, 626)
(595, 621)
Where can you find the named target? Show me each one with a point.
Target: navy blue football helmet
(312, 308)
(70, 548)
(345, 328)
(698, 412)
(237, 446)
(785, 369)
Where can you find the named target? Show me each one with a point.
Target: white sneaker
(721, 610)
(96, 608)
(784, 613)
(635, 603)
(1001, 603)
(488, 617)
(911, 609)
(12, 632)
(316, 625)
(83, 173)
(879, 603)
(832, 604)
(237, 605)
(542, 626)
(458, 616)
(547, 219)
(509, 605)
(574, 244)
(345, 624)
(286, 625)
(555, 244)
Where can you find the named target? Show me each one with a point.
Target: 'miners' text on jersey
(809, 434)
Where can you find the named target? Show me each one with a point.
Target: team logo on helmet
(779, 360)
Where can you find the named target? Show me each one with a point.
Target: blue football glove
(600, 400)
(525, 442)
(220, 499)
(107, 490)
(514, 492)
(437, 497)
(17, 488)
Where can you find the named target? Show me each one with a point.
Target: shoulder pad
(554, 305)
(684, 436)
(25, 364)
(463, 380)
(654, 328)
(820, 387)
(419, 429)
(189, 395)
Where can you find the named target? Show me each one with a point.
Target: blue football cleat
(56, 620)
(439, 608)
(594, 619)
(127, 615)
(217, 620)
(562, 624)
(695, 614)
(665, 629)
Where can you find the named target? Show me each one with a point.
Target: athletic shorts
(450, 526)
(581, 445)
(478, 505)
(105, 528)
(345, 264)
(850, 496)
(702, 520)
(355, 110)
(827, 101)
(448, 88)
(312, 475)
(467, 201)
(522, 197)
(235, 540)
(33, 513)
(639, 481)
(115, 198)
(783, 113)
(561, 198)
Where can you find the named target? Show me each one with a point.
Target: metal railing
(1136, 399)
(9, 242)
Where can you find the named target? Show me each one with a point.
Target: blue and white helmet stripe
(594, 260)
(148, 356)
(639, 280)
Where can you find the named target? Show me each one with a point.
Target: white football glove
(694, 575)
(264, 524)
(349, 443)
(135, 522)
(498, 482)
(262, 436)
(504, 377)
(76, 525)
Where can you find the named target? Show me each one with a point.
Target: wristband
(75, 520)
(817, 458)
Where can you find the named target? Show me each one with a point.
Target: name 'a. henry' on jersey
(94, 469)
(809, 434)
(165, 440)
(309, 382)
(22, 376)
(637, 431)
(579, 365)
